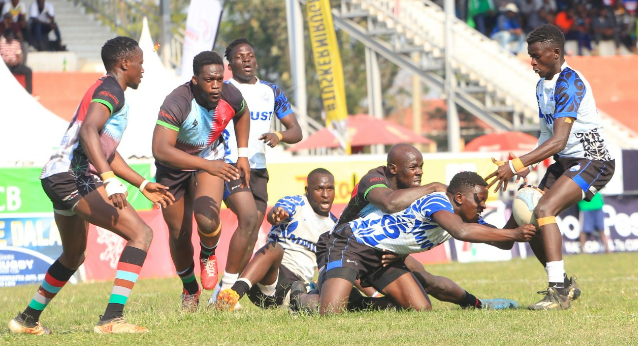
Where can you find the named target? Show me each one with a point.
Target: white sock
(268, 290)
(228, 280)
(555, 271)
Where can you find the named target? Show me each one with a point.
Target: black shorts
(348, 259)
(65, 190)
(234, 186)
(177, 181)
(284, 281)
(259, 186)
(590, 175)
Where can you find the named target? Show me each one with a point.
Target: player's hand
(498, 304)
(278, 215)
(271, 139)
(116, 192)
(502, 175)
(438, 187)
(389, 258)
(522, 174)
(244, 167)
(158, 194)
(524, 233)
(221, 169)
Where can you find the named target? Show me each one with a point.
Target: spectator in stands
(604, 28)
(528, 9)
(549, 6)
(575, 27)
(478, 13)
(42, 22)
(625, 25)
(508, 28)
(592, 220)
(8, 21)
(11, 53)
(18, 11)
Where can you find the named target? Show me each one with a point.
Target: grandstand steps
(81, 33)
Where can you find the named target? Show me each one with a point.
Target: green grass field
(605, 314)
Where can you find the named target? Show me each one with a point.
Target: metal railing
(124, 17)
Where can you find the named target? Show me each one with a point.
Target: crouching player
(356, 249)
(289, 255)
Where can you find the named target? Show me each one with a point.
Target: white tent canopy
(145, 102)
(30, 132)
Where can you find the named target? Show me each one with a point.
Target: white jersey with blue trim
(298, 234)
(408, 231)
(264, 100)
(568, 94)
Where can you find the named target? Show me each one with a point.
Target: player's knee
(143, 236)
(206, 224)
(248, 223)
(423, 307)
(544, 210)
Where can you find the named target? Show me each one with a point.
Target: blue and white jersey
(568, 94)
(264, 100)
(298, 234)
(408, 231)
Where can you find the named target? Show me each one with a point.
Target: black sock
(188, 280)
(470, 301)
(241, 287)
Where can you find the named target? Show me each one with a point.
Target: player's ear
(124, 64)
(392, 168)
(194, 80)
(306, 189)
(458, 198)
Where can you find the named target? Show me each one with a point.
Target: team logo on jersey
(195, 123)
(265, 96)
(575, 168)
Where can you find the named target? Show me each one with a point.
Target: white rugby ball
(524, 204)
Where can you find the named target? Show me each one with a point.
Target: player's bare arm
(556, 143)
(391, 201)
(97, 115)
(242, 130)
(166, 153)
(476, 233)
(277, 215)
(156, 193)
(291, 135)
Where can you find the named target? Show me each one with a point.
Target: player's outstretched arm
(242, 131)
(154, 192)
(476, 233)
(291, 135)
(96, 117)
(506, 245)
(277, 215)
(391, 201)
(164, 151)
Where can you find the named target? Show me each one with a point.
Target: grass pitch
(605, 314)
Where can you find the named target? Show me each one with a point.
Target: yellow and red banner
(328, 64)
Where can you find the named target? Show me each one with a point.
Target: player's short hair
(234, 44)
(547, 33)
(465, 180)
(116, 49)
(319, 171)
(207, 57)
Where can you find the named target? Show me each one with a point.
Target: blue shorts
(593, 220)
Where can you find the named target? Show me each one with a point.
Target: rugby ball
(524, 204)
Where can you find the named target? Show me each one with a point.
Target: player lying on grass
(289, 255)
(392, 188)
(356, 249)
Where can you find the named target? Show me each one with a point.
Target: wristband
(511, 167)
(143, 185)
(107, 175)
(279, 135)
(242, 152)
(114, 186)
(518, 164)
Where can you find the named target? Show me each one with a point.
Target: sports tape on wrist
(113, 186)
(242, 152)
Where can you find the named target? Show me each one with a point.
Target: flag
(202, 24)
(328, 64)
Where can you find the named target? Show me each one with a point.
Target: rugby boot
(190, 302)
(118, 325)
(555, 299)
(209, 272)
(20, 326)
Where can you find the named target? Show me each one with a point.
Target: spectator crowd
(585, 22)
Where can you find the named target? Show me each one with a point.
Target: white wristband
(113, 186)
(511, 166)
(242, 152)
(143, 185)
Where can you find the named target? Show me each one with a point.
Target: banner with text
(202, 24)
(327, 59)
